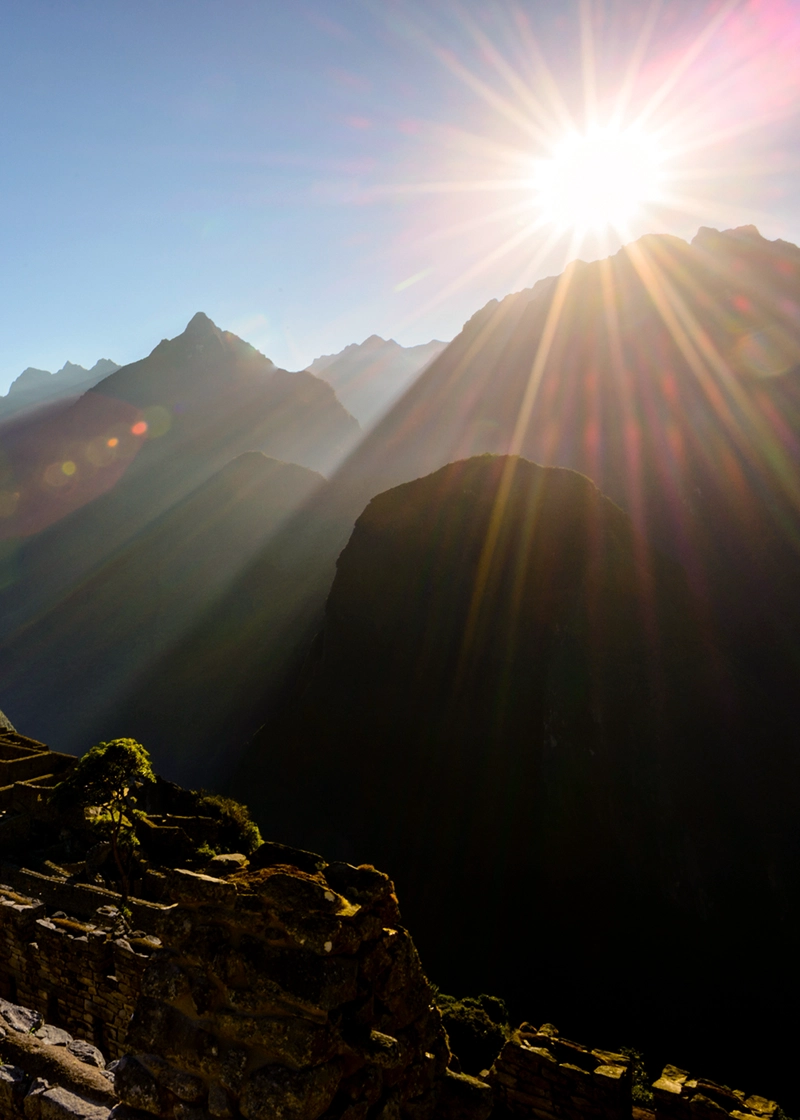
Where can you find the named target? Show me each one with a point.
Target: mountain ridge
(369, 376)
(35, 387)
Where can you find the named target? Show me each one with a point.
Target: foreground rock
(290, 990)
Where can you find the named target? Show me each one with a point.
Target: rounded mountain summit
(505, 707)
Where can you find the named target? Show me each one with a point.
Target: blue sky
(312, 172)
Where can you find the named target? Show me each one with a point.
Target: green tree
(107, 777)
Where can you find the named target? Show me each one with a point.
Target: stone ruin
(29, 770)
(679, 1096)
(79, 974)
(538, 1073)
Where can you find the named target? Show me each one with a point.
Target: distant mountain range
(370, 376)
(35, 387)
(92, 490)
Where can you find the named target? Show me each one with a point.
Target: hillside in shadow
(514, 704)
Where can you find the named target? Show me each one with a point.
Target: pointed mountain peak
(201, 324)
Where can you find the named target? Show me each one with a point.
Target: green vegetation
(238, 833)
(641, 1092)
(477, 1027)
(106, 778)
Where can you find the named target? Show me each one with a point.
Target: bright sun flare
(597, 179)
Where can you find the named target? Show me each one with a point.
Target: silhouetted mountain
(370, 376)
(35, 387)
(86, 481)
(515, 700)
(669, 374)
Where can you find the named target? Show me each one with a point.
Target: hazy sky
(309, 172)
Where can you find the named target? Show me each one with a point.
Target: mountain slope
(512, 704)
(67, 674)
(370, 376)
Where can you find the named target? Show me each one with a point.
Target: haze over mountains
(35, 387)
(369, 377)
(587, 679)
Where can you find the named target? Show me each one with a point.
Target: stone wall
(679, 1096)
(80, 899)
(77, 974)
(539, 1074)
(28, 771)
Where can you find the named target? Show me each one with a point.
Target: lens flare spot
(768, 352)
(158, 420)
(98, 453)
(139, 428)
(113, 442)
(68, 468)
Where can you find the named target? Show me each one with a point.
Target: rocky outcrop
(47, 1074)
(283, 988)
(289, 989)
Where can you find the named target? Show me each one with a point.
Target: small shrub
(477, 1027)
(641, 1092)
(238, 832)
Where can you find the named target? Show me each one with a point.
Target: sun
(598, 179)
